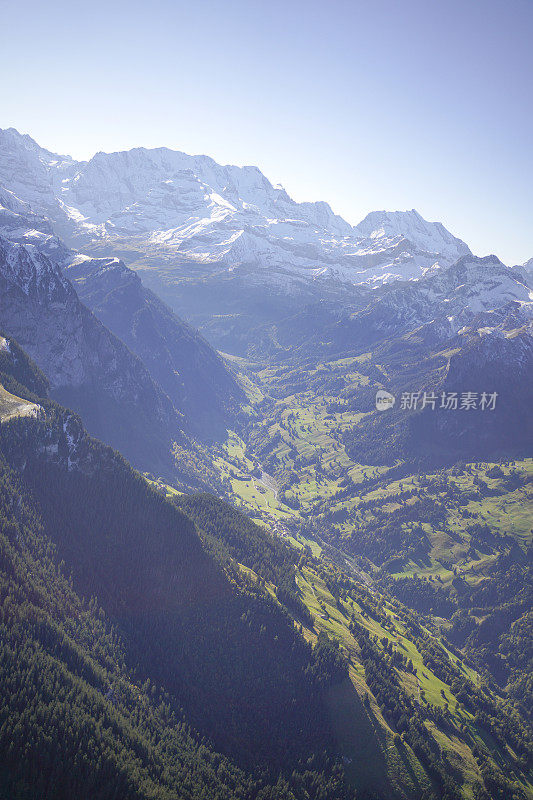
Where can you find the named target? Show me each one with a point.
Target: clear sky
(368, 104)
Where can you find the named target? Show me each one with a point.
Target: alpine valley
(225, 571)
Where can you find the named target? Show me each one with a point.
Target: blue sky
(368, 104)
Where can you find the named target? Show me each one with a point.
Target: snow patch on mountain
(431, 237)
(479, 284)
(26, 267)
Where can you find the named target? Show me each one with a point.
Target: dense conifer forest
(133, 665)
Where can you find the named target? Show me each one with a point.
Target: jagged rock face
(19, 224)
(39, 307)
(469, 286)
(479, 284)
(88, 368)
(187, 216)
(42, 311)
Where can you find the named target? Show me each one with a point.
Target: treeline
(231, 533)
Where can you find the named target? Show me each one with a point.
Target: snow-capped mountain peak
(432, 237)
(191, 216)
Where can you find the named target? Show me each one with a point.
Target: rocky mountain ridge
(89, 369)
(190, 216)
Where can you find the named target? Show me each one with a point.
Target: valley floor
(290, 472)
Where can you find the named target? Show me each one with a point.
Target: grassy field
(319, 498)
(465, 498)
(362, 729)
(13, 406)
(297, 438)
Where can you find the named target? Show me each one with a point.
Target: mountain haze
(310, 593)
(177, 357)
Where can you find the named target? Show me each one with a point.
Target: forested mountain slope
(171, 636)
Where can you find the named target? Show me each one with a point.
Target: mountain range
(257, 272)
(198, 217)
(305, 594)
(220, 244)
